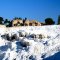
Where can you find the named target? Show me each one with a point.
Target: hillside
(36, 43)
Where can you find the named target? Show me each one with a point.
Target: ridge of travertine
(37, 49)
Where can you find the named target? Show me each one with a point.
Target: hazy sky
(32, 9)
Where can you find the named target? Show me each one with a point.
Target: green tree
(49, 21)
(10, 24)
(24, 21)
(20, 18)
(7, 22)
(1, 20)
(17, 18)
(58, 19)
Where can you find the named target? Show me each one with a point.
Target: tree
(7, 22)
(59, 19)
(20, 18)
(1, 20)
(10, 24)
(17, 18)
(24, 21)
(49, 21)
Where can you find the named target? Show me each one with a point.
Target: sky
(32, 9)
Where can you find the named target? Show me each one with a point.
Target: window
(30, 24)
(36, 24)
(18, 22)
(15, 24)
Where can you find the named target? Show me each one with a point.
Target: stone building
(32, 23)
(19, 22)
(26, 23)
